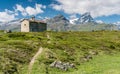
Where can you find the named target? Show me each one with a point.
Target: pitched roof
(37, 21)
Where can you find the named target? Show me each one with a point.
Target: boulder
(93, 52)
(62, 65)
(86, 58)
(7, 31)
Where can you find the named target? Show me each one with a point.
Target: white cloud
(30, 10)
(40, 17)
(21, 9)
(117, 23)
(57, 7)
(99, 21)
(73, 16)
(36, 10)
(9, 11)
(7, 15)
(96, 7)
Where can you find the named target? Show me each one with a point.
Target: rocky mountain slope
(12, 25)
(85, 18)
(60, 23)
(83, 23)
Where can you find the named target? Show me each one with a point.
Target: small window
(24, 24)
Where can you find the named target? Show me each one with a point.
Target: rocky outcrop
(58, 23)
(85, 18)
(7, 31)
(62, 65)
(88, 56)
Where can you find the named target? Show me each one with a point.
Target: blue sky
(101, 10)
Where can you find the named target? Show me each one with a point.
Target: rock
(83, 59)
(72, 65)
(53, 64)
(86, 58)
(93, 52)
(7, 31)
(62, 65)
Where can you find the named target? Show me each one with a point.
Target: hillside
(89, 52)
(94, 27)
(13, 25)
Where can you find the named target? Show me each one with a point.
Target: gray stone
(53, 64)
(93, 52)
(62, 65)
(7, 31)
(86, 58)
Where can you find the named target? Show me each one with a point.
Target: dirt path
(49, 39)
(33, 60)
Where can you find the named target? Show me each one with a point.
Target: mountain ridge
(61, 23)
(85, 18)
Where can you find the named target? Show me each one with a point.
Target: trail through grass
(17, 49)
(100, 64)
(33, 60)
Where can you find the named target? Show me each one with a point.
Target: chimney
(33, 18)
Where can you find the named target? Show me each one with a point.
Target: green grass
(100, 64)
(16, 50)
(93, 27)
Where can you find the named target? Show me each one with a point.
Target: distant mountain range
(12, 25)
(83, 23)
(60, 23)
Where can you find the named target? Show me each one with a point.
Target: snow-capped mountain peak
(72, 21)
(85, 18)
